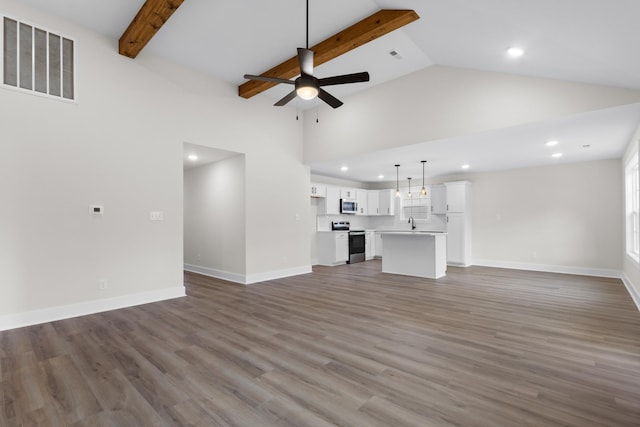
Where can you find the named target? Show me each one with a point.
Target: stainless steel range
(356, 241)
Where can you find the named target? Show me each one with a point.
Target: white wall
(121, 146)
(214, 212)
(555, 218)
(630, 268)
(441, 102)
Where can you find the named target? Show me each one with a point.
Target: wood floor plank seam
(345, 345)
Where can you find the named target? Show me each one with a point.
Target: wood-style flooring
(346, 346)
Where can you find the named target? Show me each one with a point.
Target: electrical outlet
(103, 284)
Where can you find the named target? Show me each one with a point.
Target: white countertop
(419, 232)
(414, 232)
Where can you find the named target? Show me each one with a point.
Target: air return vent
(38, 60)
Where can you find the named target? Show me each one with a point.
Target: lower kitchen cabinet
(369, 244)
(333, 247)
(377, 250)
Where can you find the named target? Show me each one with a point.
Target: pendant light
(423, 191)
(409, 193)
(397, 180)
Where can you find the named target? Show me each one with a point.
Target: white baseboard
(28, 318)
(247, 279)
(218, 274)
(278, 274)
(583, 271)
(633, 291)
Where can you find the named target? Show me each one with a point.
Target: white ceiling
(584, 137)
(205, 155)
(592, 41)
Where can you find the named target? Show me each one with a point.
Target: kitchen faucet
(413, 225)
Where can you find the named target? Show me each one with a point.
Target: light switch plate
(156, 216)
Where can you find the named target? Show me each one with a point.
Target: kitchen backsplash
(323, 223)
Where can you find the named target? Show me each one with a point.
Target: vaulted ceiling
(590, 41)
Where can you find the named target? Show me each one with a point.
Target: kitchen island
(414, 253)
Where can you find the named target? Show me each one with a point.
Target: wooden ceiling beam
(150, 18)
(376, 25)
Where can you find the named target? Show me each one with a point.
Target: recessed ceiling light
(380, 176)
(344, 168)
(551, 143)
(556, 155)
(515, 52)
(193, 157)
(466, 166)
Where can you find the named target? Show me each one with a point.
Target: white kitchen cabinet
(330, 204)
(333, 247)
(458, 223)
(318, 190)
(458, 239)
(438, 199)
(373, 201)
(369, 244)
(458, 196)
(377, 250)
(361, 198)
(387, 202)
(348, 193)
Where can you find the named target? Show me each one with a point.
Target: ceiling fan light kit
(307, 89)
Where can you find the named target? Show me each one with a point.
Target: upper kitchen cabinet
(458, 196)
(318, 190)
(373, 202)
(348, 193)
(362, 199)
(387, 202)
(438, 199)
(330, 204)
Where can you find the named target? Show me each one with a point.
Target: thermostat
(96, 210)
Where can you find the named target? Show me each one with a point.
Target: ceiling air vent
(38, 60)
(395, 54)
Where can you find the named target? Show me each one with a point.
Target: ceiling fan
(307, 86)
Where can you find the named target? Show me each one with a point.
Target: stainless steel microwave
(348, 206)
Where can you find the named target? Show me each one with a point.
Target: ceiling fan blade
(329, 99)
(286, 99)
(346, 78)
(268, 79)
(305, 59)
